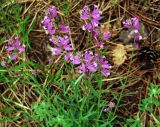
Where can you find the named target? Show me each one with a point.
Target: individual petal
(64, 40)
(45, 21)
(137, 46)
(138, 37)
(9, 48)
(16, 42)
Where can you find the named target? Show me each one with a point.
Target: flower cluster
(14, 48)
(91, 19)
(99, 36)
(47, 22)
(61, 43)
(89, 62)
(133, 25)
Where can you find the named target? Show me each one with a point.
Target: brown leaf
(119, 54)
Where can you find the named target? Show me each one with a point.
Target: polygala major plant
(87, 62)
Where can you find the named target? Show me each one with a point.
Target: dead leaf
(119, 55)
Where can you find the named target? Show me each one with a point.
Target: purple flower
(92, 63)
(96, 32)
(14, 44)
(94, 23)
(9, 48)
(100, 44)
(105, 72)
(92, 66)
(87, 26)
(82, 68)
(109, 107)
(132, 22)
(136, 23)
(68, 56)
(137, 46)
(136, 35)
(91, 18)
(65, 43)
(85, 13)
(106, 35)
(62, 43)
(48, 26)
(75, 60)
(88, 56)
(52, 12)
(96, 14)
(128, 23)
(13, 56)
(56, 51)
(64, 28)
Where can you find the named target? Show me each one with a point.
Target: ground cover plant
(76, 63)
